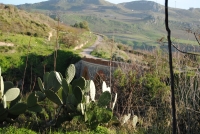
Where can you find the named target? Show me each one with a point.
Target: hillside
(35, 35)
(138, 23)
(69, 5)
(18, 21)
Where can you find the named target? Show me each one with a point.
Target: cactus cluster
(76, 97)
(9, 100)
(63, 92)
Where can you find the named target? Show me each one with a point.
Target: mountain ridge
(133, 23)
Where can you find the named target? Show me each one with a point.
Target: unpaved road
(86, 52)
(50, 35)
(6, 44)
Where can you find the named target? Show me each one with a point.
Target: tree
(83, 25)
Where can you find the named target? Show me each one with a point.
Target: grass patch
(15, 130)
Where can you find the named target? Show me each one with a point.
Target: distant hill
(18, 21)
(137, 23)
(69, 5)
(143, 6)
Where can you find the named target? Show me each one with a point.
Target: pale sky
(184, 4)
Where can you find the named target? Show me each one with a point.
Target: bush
(28, 33)
(83, 25)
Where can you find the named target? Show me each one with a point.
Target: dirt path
(86, 52)
(50, 35)
(6, 44)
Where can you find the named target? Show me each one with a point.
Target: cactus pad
(126, 118)
(65, 86)
(40, 95)
(18, 109)
(78, 94)
(134, 122)
(81, 82)
(1, 85)
(92, 90)
(3, 114)
(41, 86)
(59, 78)
(8, 85)
(71, 99)
(104, 99)
(54, 81)
(36, 108)
(53, 97)
(87, 86)
(32, 100)
(4, 101)
(115, 100)
(70, 73)
(12, 94)
(45, 79)
(105, 88)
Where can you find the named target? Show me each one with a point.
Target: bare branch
(184, 51)
(196, 38)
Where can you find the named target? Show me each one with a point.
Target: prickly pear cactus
(74, 97)
(45, 79)
(78, 94)
(134, 121)
(80, 82)
(18, 109)
(87, 98)
(9, 94)
(126, 118)
(8, 85)
(87, 86)
(1, 85)
(41, 86)
(105, 88)
(115, 100)
(104, 99)
(3, 112)
(92, 90)
(70, 73)
(65, 86)
(52, 80)
(12, 94)
(53, 97)
(32, 104)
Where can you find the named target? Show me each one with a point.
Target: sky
(183, 4)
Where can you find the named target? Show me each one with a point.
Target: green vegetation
(109, 49)
(83, 25)
(137, 98)
(15, 130)
(38, 46)
(135, 23)
(19, 21)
